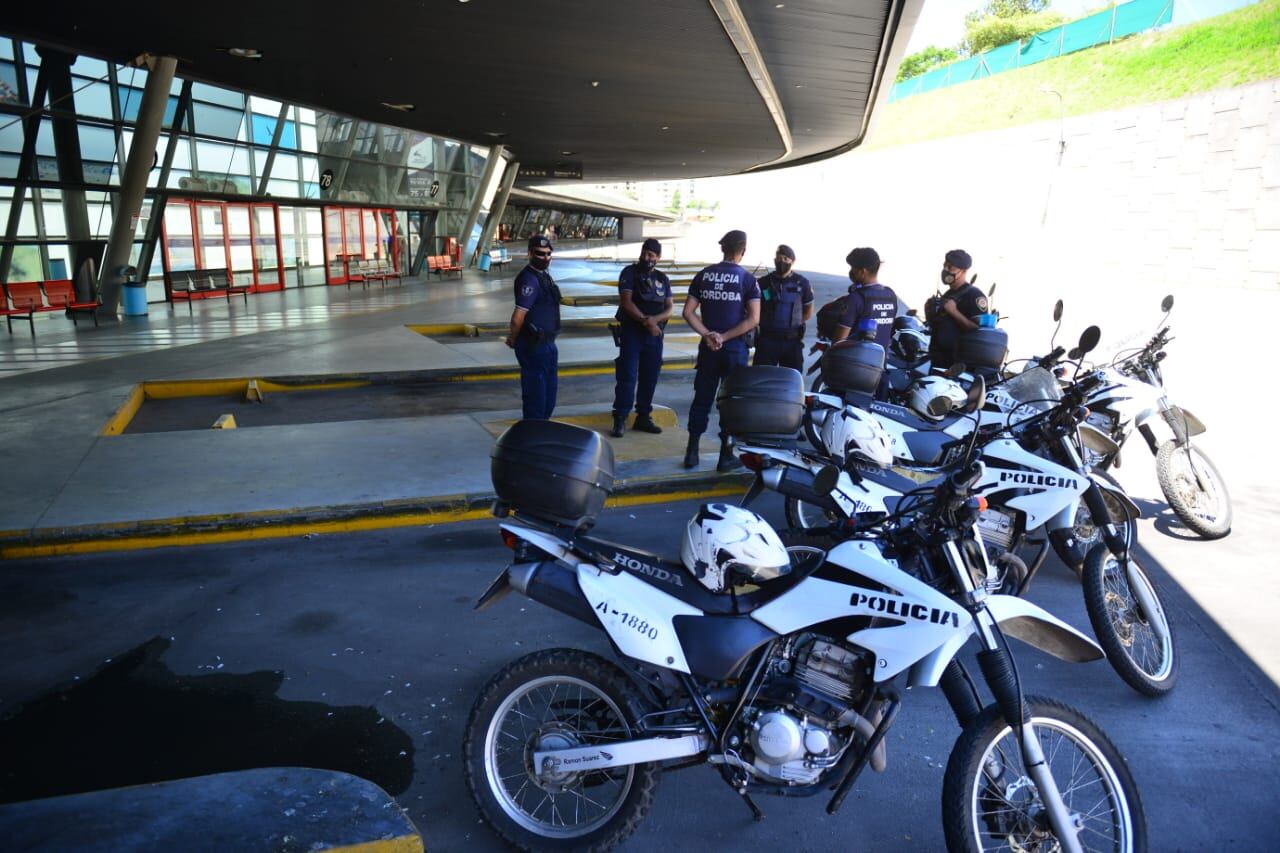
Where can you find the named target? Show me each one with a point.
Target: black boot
(644, 423)
(728, 461)
(619, 426)
(691, 451)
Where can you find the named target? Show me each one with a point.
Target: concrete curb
(302, 521)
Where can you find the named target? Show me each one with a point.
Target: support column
(473, 213)
(275, 146)
(133, 184)
(426, 236)
(66, 147)
(162, 199)
(499, 206)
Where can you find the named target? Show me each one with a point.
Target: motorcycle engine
(799, 725)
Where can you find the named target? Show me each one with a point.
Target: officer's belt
(783, 334)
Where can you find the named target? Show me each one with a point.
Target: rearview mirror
(1166, 304)
(1089, 339)
(824, 482)
(977, 395)
(1057, 311)
(992, 291)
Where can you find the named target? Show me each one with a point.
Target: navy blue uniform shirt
(782, 302)
(650, 290)
(723, 291)
(876, 301)
(537, 293)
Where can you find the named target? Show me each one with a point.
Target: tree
(929, 58)
(990, 32)
(1006, 9)
(676, 207)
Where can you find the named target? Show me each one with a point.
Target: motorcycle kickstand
(756, 814)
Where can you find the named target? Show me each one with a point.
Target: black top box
(983, 347)
(853, 366)
(761, 401)
(553, 471)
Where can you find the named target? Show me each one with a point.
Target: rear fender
(549, 544)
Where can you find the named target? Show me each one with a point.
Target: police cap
(786, 251)
(538, 241)
(651, 245)
(959, 259)
(863, 258)
(734, 240)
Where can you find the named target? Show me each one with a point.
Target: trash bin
(134, 291)
(485, 261)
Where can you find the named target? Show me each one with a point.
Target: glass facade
(521, 222)
(277, 193)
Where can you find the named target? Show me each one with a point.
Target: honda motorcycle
(1134, 399)
(784, 671)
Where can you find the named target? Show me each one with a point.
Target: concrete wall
(1167, 196)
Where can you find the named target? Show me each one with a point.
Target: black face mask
(782, 268)
(646, 265)
(540, 264)
(948, 278)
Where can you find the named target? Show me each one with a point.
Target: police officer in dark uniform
(786, 304)
(954, 312)
(723, 305)
(868, 298)
(645, 303)
(534, 326)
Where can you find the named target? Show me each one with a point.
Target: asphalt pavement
(360, 653)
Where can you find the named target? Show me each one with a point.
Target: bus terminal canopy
(602, 91)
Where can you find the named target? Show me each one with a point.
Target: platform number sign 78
(326, 179)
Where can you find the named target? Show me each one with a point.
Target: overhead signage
(564, 170)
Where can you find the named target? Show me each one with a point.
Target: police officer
(722, 306)
(868, 298)
(644, 296)
(535, 322)
(956, 311)
(786, 304)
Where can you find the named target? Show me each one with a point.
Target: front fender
(1195, 426)
(1037, 627)
(1131, 509)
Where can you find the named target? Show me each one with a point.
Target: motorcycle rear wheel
(989, 801)
(549, 699)
(1140, 645)
(808, 517)
(1207, 510)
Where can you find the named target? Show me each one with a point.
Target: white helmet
(723, 540)
(910, 343)
(934, 397)
(853, 435)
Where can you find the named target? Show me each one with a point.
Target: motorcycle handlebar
(1052, 358)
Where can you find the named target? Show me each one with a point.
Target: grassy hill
(1229, 50)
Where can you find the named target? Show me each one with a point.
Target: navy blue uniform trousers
(539, 364)
(640, 355)
(712, 367)
(780, 350)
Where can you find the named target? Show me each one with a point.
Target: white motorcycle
(1134, 399)
(782, 671)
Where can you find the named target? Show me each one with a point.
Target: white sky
(942, 21)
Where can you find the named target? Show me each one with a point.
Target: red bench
(441, 264)
(25, 299)
(62, 294)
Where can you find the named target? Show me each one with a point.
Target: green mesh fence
(1100, 28)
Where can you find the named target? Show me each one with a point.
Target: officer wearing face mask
(723, 305)
(954, 312)
(868, 298)
(535, 322)
(786, 304)
(645, 303)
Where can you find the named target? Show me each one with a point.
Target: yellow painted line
(591, 370)
(120, 421)
(402, 844)
(353, 525)
(430, 329)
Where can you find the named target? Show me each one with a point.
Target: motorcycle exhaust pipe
(797, 483)
(554, 585)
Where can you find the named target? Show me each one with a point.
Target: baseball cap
(651, 245)
(786, 251)
(863, 258)
(959, 258)
(538, 241)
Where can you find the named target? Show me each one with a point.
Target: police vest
(945, 334)
(781, 304)
(649, 292)
(545, 313)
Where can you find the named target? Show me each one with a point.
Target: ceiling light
(401, 108)
(595, 83)
(666, 127)
(779, 5)
(567, 153)
(496, 134)
(244, 52)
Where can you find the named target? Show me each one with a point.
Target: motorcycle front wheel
(1138, 640)
(560, 698)
(1087, 534)
(1194, 489)
(990, 802)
